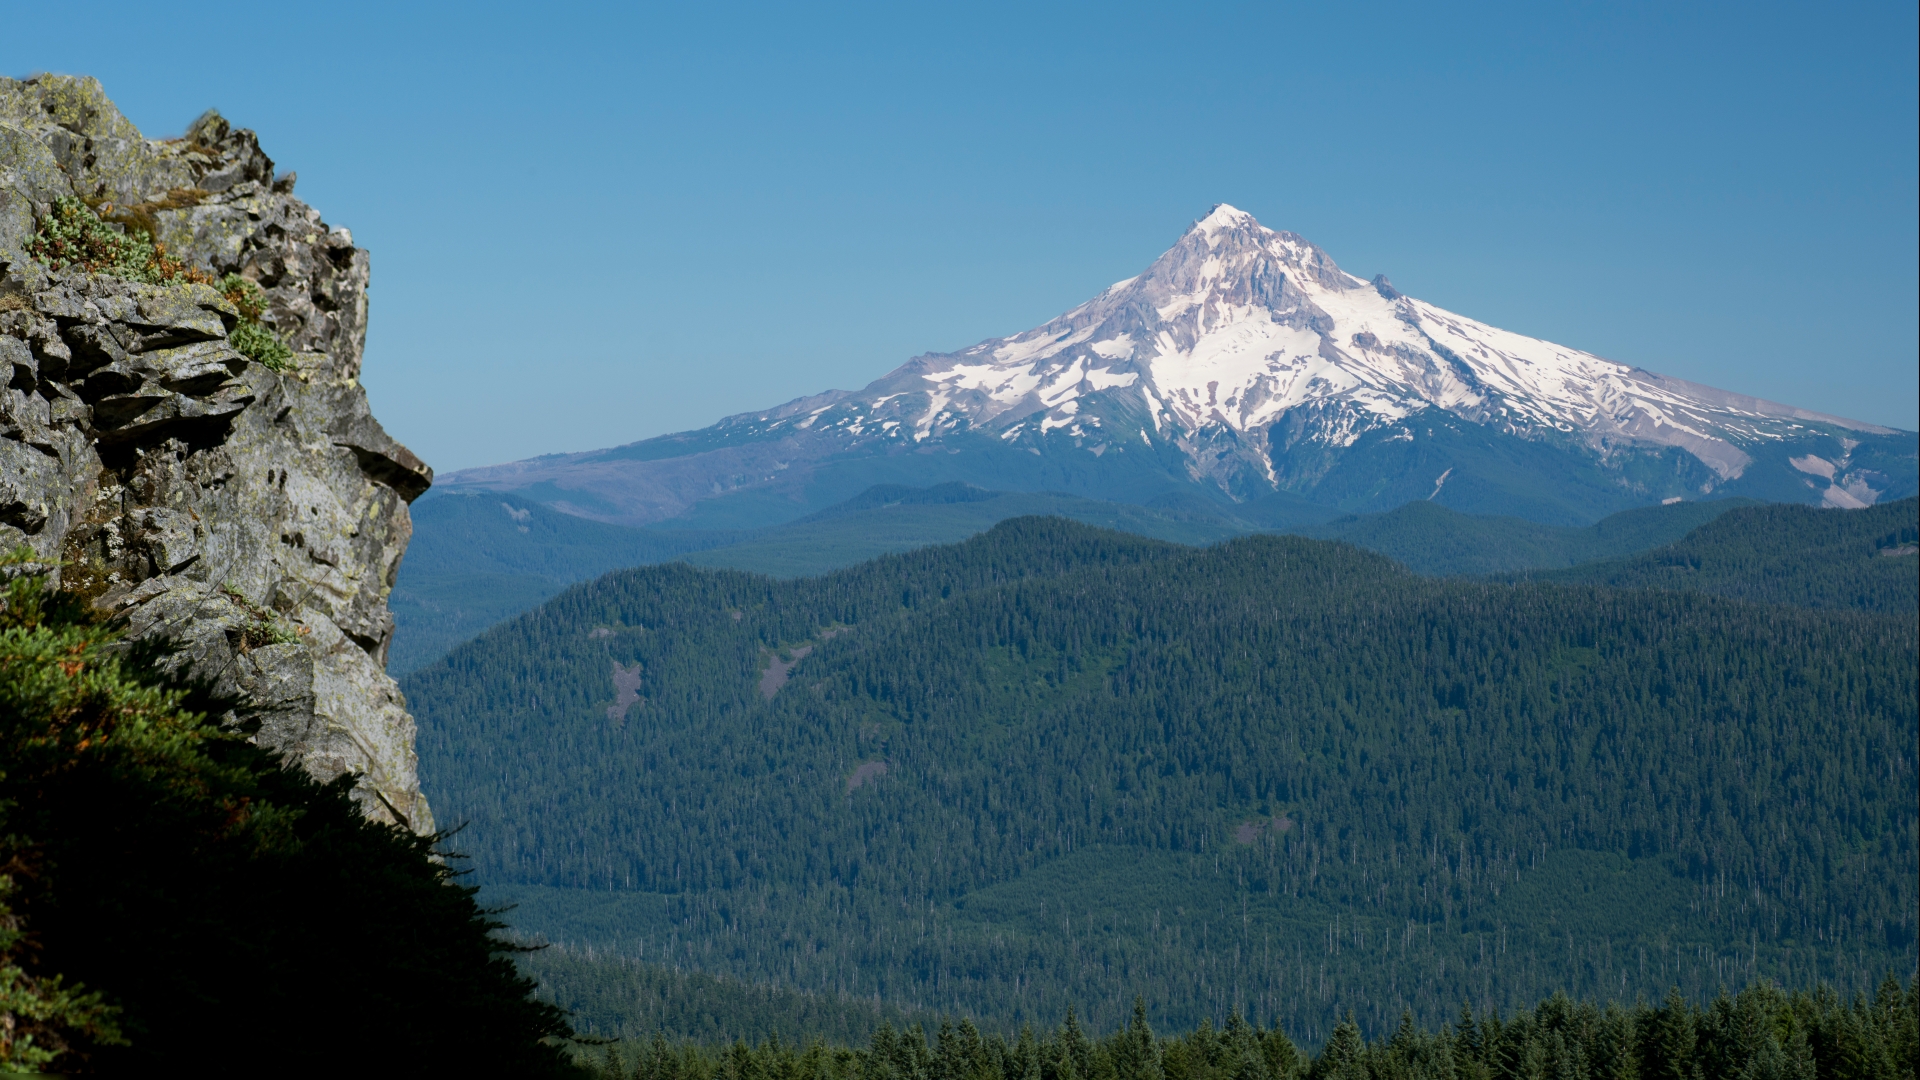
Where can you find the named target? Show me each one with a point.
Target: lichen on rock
(250, 519)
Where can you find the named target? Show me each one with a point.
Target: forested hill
(1428, 538)
(1778, 554)
(1057, 765)
(481, 559)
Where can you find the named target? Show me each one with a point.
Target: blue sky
(591, 223)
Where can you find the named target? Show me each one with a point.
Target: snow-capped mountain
(1245, 363)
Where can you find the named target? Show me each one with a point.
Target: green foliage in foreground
(1056, 765)
(39, 1017)
(1860, 559)
(179, 902)
(1760, 1033)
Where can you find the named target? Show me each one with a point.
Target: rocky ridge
(250, 520)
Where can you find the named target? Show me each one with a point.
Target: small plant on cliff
(266, 627)
(250, 336)
(74, 237)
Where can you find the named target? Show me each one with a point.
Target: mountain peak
(1244, 345)
(1244, 360)
(1224, 216)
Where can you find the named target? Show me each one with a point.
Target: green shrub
(266, 627)
(251, 337)
(245, 294)
(74, 236)
(258, 344)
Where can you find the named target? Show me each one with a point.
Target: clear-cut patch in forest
(778, 670)
(626, 686)
(871, 770)
(1249, 831)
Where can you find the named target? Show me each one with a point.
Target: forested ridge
(478, 559)
(1055, 765)
(1861, 559)
(1428, 538)
(607, 995)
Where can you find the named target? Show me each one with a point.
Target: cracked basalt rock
(252, 521)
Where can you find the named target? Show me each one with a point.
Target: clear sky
(595, 223)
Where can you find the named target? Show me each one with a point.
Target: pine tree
(1025, 1059)
(1282, 1057)
(1340, 1060)
(1137, 1057)
(1667, 1048)
(949, 1061)
(1614, 1056)
(1075, 1047)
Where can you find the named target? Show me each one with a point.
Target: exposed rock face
(252, 519)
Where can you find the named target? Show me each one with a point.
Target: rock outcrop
(251, 519)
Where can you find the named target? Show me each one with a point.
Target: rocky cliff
(250, 514)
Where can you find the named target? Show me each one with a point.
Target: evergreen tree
(1076, 1050)
(1282, 1057)
(1667, 1047)
(1340, 1060)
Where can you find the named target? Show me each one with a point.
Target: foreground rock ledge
(251, 520)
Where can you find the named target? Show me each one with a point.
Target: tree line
(1758, 1033)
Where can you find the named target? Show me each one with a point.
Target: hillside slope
(1430, 539)
(478, 559)
(1859, 559)
(1056, 764)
